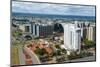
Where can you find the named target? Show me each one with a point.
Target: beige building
(91, 33)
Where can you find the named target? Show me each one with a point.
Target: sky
(56, 9)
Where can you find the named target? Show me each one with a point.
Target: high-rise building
(91, 33)
(84, 33)
(39, 29)
(72, 37)
(82, 26)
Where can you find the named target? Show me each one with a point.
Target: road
(90, 58)
(34, 57)
(21, 55)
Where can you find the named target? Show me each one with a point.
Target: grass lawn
(14, 56)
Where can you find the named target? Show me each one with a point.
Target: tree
(28, 37)
(40, 51)
(62, 42)
(58, 52)
(64, 50)
(73, 55)
(88, 42)
(85, 54)
(57, 46)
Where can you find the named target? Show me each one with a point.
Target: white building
(72, 37)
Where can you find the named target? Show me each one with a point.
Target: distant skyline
(57, 9)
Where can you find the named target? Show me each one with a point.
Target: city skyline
(49, 33)
(57, 9)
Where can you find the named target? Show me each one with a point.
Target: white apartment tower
(72, 37)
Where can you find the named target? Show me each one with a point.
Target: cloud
(46, 8)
